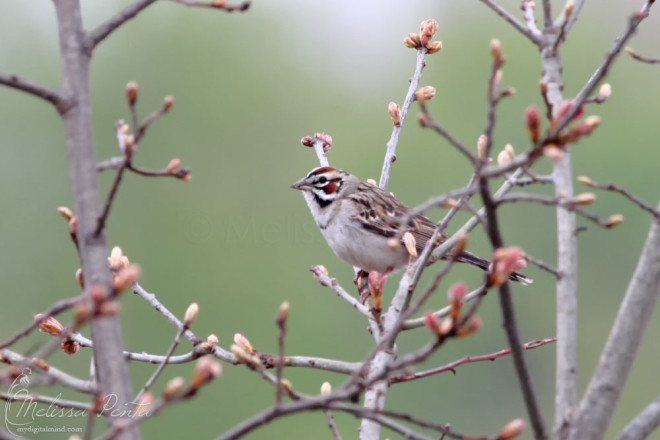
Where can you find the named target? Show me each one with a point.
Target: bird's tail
(475, 260)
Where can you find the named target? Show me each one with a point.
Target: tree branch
(110, 367)
(493, 230)
(390, 154)
(466, 360)
(103, 31)
(643, 424)
(616, 360)
(57, 375)
(506, 15)
(55, 97)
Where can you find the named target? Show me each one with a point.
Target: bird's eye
(323, 179)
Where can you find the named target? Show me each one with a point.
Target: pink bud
(427, 30)
(505, 262)
(395, 113)
(244, 343)
(512, 429)
(425, 93)
(533, 121)
(49, 325)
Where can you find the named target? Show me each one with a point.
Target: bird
(358, 220)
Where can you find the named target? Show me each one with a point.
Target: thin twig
(55, 401)
(419, 322)
(53, 310)
(141, 129)
(334, 401)
(224, 355)
(561, 202)
(540, 264)
(466, 360)
(559, 21)
(454, 209)
(624, 192)
(318, 363)
(619, 43)
(281, 336)
(430, 122)
(161, 367)
(390, 154)
(563, 29)
(216, 5)
(171, 317)
(55, 97)
(325, 280)
(643, 59)
(103, 31)
(180, 173)
(506, 304)
(513, 21)
(332, 425)
(528, 12)
(84, 386)
(100, 225)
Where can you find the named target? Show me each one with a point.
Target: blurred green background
(239, 242)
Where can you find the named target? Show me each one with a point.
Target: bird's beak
(301, 184)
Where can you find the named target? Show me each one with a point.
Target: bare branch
(643, 424)
(161, 367)
(624, 192)
(55, 97)
(513, 21)
(171, 317)
(570, 20)
(494, 234)
(281, 337)
(542, 265)
(56, 401)
(325, 280)
(332, 425)
(53, 310)
(102, 32)
(466, 360)
(222, 354)
(59, 376)
(638, 57)
(547, 14)
(111, 195)
(216, 4)
(633, 22)
(390, 154)
(595, 411)
(528, 12)
(429, 122)
(110, 367)
(419, 322)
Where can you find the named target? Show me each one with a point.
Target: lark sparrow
(357, 220)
